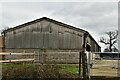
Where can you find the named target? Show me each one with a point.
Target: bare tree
(111, 40)
(5, 28)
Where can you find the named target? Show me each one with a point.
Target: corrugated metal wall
(45, 35)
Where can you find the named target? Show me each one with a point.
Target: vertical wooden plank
(69, 41)
(61, 42)
(34, 56)
(40, 38)
(6, 41)
(45, 26)
(46, 40)
(24, 40)
(35, 43)
(72, 36)
(55, 39)
(38, 26)
(55, 27)
(51, 41)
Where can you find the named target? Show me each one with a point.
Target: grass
(68, 68)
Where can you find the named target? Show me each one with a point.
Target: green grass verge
(68, 68)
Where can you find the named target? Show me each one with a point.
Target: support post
(89, 58)
(84, 65)
(10, 58)
(84, 58)
(79, 63)
(34, 56)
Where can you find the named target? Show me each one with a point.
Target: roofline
(94, 40)
(51, 20)
(40, 19)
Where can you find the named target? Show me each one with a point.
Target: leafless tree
(110, 40)
(5, 28)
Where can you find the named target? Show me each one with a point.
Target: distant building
(113, 50)
(110, 55)
(48, 35)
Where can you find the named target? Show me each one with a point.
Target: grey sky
(95, 17)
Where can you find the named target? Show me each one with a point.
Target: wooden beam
(79, 63)
(84, 57)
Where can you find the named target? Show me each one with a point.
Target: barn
(58, 41)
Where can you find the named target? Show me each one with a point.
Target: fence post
(3, 57)
(25, 57)
(10, 58)
(84, 65)
(84, 59)
(34, 56)
(79, 63)
(89, 58)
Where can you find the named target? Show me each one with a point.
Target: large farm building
(49, 36)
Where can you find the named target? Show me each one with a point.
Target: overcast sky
(95, 17)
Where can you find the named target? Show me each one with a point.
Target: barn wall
(94, 46)
(45, 35)
(52, 56)
(61, 57)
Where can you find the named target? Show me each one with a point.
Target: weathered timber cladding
(44, 34)
(93, 46)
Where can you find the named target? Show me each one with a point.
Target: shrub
(30, 71)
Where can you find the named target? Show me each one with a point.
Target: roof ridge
(37, 20)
